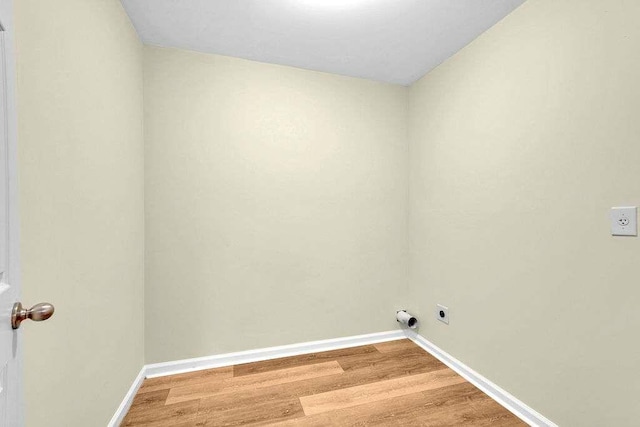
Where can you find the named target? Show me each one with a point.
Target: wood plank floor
(388, 384)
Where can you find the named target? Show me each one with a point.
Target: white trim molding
(122, 410)
(503, 397)
(229, 359)
(249, 356)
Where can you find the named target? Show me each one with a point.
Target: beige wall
(276, 204)
(275, 194)
(80, 148)
(519, 146)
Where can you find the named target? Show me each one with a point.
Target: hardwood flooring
(388, 384)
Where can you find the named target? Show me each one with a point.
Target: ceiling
(395, 41)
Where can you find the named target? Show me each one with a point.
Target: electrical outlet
(624, 221)
(442, 313)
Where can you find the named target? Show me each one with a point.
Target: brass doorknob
(37, 313)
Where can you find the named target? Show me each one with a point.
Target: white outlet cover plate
(440, 308)
(624, 221)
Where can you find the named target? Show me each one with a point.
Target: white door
(11, 401)
(10, 375)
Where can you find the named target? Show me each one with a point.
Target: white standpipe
(406, 319)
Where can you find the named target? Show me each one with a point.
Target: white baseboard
(122, 410)
(228, 359)
(517, 407)
(504, 398)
